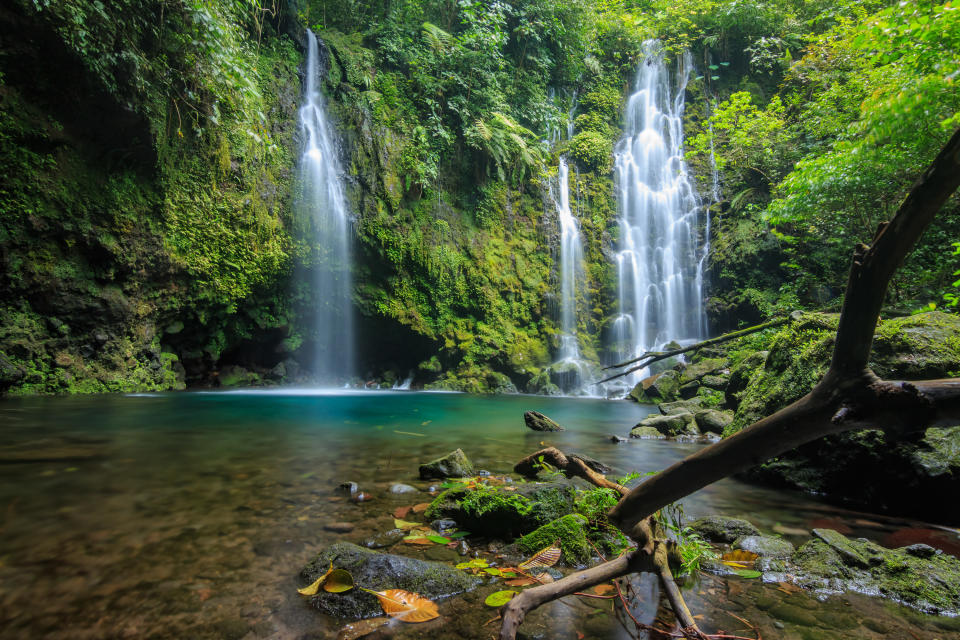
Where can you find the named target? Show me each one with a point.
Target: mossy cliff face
(144, 216)
(864, 467)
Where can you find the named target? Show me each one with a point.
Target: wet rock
(443, 524)
(385, 539)
(794, 615)
(741, 375)
(338, 527)
(594, 464)
(690, 405)
(453, 465)
(661, 387)
(348, 488)
(570, 530)
(717, 382)
(921, 550)
(723, 529)
(618, 439)
(536, 421)
(402, 488)
(504, 513)
(689, 390)
(765, 546)
(647, 433)
(713, 420)
(671, 425)
(378, 571)
(698, 370)
(832, 562)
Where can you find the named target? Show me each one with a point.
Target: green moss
(570, 531)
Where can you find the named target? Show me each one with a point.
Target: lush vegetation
(146, 225)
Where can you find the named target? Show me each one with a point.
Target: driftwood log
(850, 396)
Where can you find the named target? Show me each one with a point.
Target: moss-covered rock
(661, 387)
(536, 421)
(697, 370)
(647, 433)
(671, 425)
(502, 513)
(917, 576)
(723, 528)
(570, 531)
(379, 571)
(453, 465)
(712, 420)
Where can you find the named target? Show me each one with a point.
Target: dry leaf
(603, 589)
(738, 559)
(314, 588)
(420, 508)
(403, 524)
(544, 558)
(361, 628)
(406, 605)
(417, 541)
(520, 582)
(401, 512)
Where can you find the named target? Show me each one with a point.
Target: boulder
(717, 382)
(689, 390)
(671, 425)
(702, 368)
(453, 465)
(661, 387)
(646, 433)
(501, 513)
(772, 552)
(915, 576)
(691, 405)
(723, 529)
(741, 374)
(570, 531)
(378, 571)
(385, 539)
(713, 420)
(536, 421)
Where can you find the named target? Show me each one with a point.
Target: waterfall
(324, 205)
(571, 265)
(660, 265)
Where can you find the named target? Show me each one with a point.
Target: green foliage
(593, 149)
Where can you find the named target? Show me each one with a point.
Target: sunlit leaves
(406, 605)
(499, 598)
(546, 557)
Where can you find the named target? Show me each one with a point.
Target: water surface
(189, 515)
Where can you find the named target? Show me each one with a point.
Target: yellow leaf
(338, 581)
(315, 587)
(403, 524)
(738, 559)
(406, 605)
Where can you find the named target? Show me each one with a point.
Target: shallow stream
(190, 515)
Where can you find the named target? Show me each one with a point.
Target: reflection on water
(190, 515)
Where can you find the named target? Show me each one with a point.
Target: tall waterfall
(660, 264)
(324, 205)
(571, 265)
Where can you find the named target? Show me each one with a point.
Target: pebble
(402, 488)
(361, 497)
(443, 524)
(338, 527)
(386, 539)
(463, 548)
(483, 473)
(349, 487)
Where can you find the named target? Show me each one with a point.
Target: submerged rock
(536, 421)
(379, 571)
(399, 488)
(453, 465)
(385, 539)
(570, 531)
(723, 529)
(915, 577)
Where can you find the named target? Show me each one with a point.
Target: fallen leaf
(499, 598)
(361, 628)
(476, 563)
(315, 587)
(338, 581)
(403, 524)
(401, 512)
(738, 559)
(520, 582)
(544, 558)
(420, 508)
(603, 589)
(412, 540)
(747, 573)
(458, 534)
(438, 539)
(406, 605)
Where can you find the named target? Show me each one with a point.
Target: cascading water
(660, 263)
(324, 205)
(571, 265)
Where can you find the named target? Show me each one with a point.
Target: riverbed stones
(671, 425)
(385, 539)
(765, 546)
(723, 528)
(401, 489)
(338, 527)
(453, 465)
(379, 571)
(536, 421)
(832, 562)
(443, 524)
(689, 405)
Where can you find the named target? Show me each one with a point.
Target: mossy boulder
(661, 387)
(917, 576)
(504, 512)
(536, 421)
(671, 425)
(646, 433)
(772, 552)
(697, 370)
(690, 405)
(379, 571)
(742, 373)
(723, 528)
(453, 465)
(712, 420)
(570, 531)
